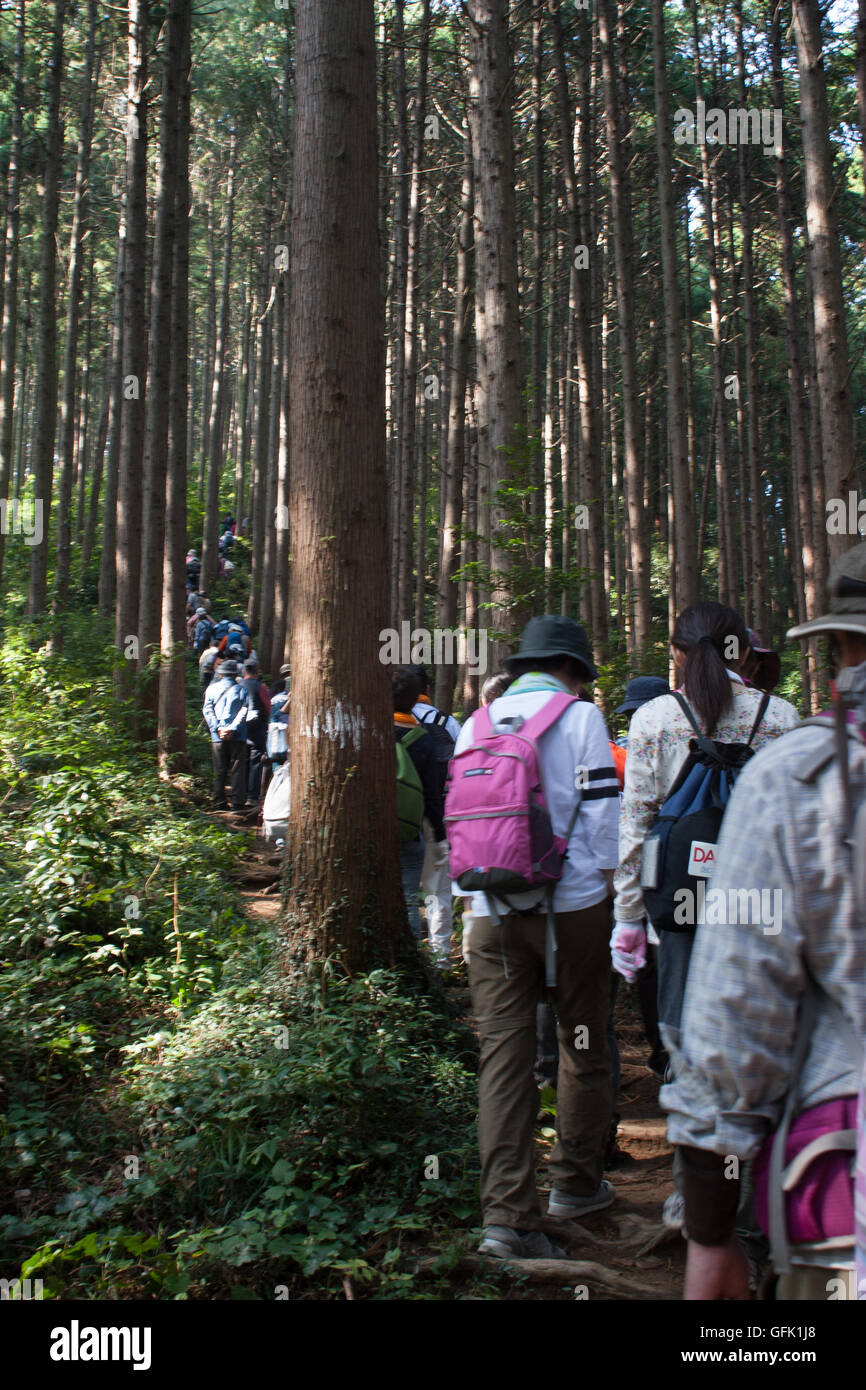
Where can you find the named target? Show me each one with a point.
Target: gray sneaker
(505, 1243)
(564, 1205)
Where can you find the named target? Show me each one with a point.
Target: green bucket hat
(554, 636)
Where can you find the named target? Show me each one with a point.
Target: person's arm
(428, 770)
(732, 1061)
(640, 802)
(208, 712)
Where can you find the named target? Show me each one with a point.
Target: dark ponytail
(712, 637)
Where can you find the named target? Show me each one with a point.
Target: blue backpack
(679, 850)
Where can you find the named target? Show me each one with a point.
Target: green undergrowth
(179, 1119)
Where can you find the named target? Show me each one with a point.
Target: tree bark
(9, 328)
(171, 728)
(489, 112)
(831, 337)
(343, 893)
(80, 221)
(129, 488)
(46, 361)
(210, 538)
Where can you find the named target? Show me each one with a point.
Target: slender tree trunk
(171, 728)
(80, 218)
(210, 539)
(46, 362)
(162, 348)
(262, 416)
(489, 111)
(107, 558)
(129, 489)
(620, 207)
(9, 328)
(831, 338)
(409, 346)
(454, 464)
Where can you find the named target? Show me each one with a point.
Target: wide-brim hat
(285, 669)
(640, 690)
(229, 668)
(551, 636)
(847, 587)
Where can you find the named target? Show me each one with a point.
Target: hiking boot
(563, 1205)
(673, 1213)
(504, 1243)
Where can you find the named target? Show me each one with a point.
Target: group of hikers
(714, 856)
(247, 720)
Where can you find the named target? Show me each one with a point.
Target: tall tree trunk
(810, 534)
(129, 488)
(80, 220)
(262, 415)
(831, 337)
(397, 305)
(454, 462)
(343, 894)
(9, 328)
(171, 728)
(409, 345)
(759, 603)
(162, 349)
(489, 111)
(46, 361)
(683, 500)
(620, 207)
(108, 558)
(210, 538)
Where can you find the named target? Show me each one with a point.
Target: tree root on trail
(609, 1281)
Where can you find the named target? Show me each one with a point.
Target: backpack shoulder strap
(481, 725)
(687, 711)
(762, 710)
(411, 736)
(547, 716)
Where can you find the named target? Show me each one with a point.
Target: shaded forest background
(621, 371)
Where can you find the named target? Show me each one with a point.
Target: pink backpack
(499, 829)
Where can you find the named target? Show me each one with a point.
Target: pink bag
(819, 1200)
(499, 829)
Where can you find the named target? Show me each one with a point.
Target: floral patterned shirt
(658, 745)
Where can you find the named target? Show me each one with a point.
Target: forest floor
(623, 1252)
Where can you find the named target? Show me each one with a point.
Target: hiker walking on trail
(768, 1058)
(418, 789)
(257, 729)
(227, 708)
(435, 875)
(538, 756)
(710, 645)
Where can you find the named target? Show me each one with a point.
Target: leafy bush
(180, 1119)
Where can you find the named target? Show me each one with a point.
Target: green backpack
(410, 793)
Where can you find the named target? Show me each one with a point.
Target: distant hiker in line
(435, 876)
(206, 663)
(639, 691)
(257, 731)
(227, 708)
(768, 1057)
(423, 759)
(517, 946)
(710, 645)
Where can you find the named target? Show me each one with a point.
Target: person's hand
(628, 949)
(440, 854)
(225, 734)
(716, 1271)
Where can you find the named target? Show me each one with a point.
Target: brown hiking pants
(505, 1010)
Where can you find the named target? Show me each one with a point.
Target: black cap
(640, 690)
(551, 636)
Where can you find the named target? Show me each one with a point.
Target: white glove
(440, 853)
(628, 949)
